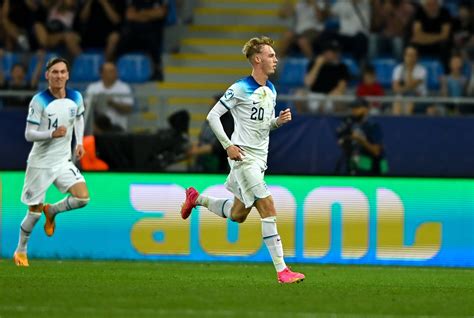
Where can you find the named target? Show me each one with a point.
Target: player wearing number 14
(53, 116)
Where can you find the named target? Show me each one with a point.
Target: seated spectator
(409, 79)
(390, 20)
(431, 31)
(354, 24)
(143, 30)
(370, 87)
(308, 24)
(17, 18)
(18, 82)
(326, 75)
(208, 151)
(463, 26)
(99, 23)
(110, 112)
(454, 84)
(53, 27)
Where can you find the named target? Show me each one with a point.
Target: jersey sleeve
(232, 96)
(35, 111)
(80, 105)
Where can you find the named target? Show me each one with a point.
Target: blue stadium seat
(354, 70)
(434, 72)
(86, 67)
(9, 59)
(384, 69)
(331, 24)
(293, 72)
(172, 16)
(134, 68)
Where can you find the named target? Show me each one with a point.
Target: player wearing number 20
(251, 101)
(53, 116)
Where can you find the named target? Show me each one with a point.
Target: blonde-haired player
(53, 116)
(251, 102)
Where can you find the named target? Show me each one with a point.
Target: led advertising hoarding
(399, 221)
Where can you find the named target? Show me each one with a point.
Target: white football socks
(273, 242)
(67, 204)
(26, 228)
(220, 207)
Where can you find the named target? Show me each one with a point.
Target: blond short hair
(254, 46)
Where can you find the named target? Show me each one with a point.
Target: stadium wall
(392, 221)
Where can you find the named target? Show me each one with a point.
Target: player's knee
(79, 202)
(239, 219)
(36, 208)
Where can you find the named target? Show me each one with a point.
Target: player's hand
(80, 152)
(235, 153)
(60, 132)
(284, 117)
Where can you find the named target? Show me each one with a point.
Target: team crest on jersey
(229, 94)
(72, 112)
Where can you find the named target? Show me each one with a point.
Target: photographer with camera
(361, 141)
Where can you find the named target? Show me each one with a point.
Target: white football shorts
(245, 181)
(38, 180)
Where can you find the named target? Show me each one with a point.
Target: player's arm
(234, 152)
(283, 118)
(33, 134)
(79, 134)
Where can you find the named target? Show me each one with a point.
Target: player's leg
(272, 240)
(37, 182)
(233, 209)
(69, 180)
(220, 206)
(29, 221)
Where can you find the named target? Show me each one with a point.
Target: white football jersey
(253, 108)
(49, 112)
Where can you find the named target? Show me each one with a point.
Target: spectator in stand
(431, 31)
(454, 84)
(370, 87)
(390, 19)
(110, 112)
(354, 26)
(326, 75)
(463, 26)
(18, 82)
(143, 30)
(307, 26)
(53, 27)
(17, 18)
(99, 23)
(409, 79)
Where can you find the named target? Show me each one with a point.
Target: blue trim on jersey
(33, 122)
(73, 95)
(250, 85)
(222, 102)
(44, 98)
(271, 86)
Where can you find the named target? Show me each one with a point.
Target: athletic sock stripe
(267, 237)
(67, 204)
(222, 210)
(26, 232)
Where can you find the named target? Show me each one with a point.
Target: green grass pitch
(170, 289)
